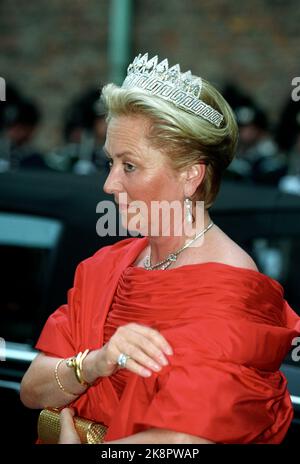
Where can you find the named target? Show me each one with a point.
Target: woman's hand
(146, 348)
(68, 434)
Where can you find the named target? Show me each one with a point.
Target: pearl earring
(188, 211)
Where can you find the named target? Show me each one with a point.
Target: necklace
(172, 257)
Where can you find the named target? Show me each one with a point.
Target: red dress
(230, 330)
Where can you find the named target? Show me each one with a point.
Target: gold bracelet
(78, 367)
(75, 362)
(71, 362)
(58, 381)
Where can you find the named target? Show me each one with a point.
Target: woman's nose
(112, 184)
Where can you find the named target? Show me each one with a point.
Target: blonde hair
(185, 138)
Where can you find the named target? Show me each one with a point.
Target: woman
(185, 336)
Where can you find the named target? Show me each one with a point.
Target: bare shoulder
(240, 258)
(231, 254)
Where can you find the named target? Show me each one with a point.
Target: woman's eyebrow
(119, 155)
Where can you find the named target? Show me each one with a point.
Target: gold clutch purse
(49, 428)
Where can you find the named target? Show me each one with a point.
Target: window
(27, 247)
(279, 258)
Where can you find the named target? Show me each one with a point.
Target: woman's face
(136, 169)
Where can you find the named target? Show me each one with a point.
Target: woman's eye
(129, 167)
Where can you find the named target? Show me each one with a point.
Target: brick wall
(256, 44)
(53, 50)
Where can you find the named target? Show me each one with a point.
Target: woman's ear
(193, 176)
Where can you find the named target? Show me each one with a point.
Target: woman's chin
(133, 226)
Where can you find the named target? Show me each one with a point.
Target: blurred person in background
(84, 134)
(20, 118)
(288, 138)
(258, 158)
(13, 96)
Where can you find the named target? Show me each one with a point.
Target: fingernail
(168, 351)
(163, 360)
(146, 373)
(156, 367)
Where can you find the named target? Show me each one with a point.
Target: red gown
(229, 327)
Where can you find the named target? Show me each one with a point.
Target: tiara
(181, 89)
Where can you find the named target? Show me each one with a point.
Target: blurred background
(55, 57)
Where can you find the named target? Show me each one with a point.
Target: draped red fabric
(230, 329)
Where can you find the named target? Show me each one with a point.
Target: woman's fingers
(68, 434)
(154, 336)
(143, 351)
(113, 353)
(136, 368)
(145, 356)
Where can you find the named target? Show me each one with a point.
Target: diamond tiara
(181, 89)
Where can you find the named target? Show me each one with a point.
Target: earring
(188, 211)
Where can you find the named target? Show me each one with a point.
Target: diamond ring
(122, 359)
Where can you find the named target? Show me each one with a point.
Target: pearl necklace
(172, 257)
